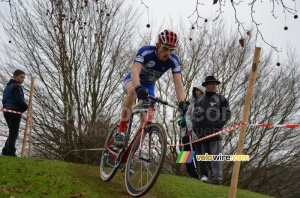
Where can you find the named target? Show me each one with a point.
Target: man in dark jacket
(13, 99)
(211, 113)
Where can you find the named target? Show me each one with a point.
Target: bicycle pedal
(123, 169)
(114, 148)
(105, 154)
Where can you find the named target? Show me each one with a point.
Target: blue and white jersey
(153, 68)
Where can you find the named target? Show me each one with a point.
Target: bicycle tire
(108, 163)
(146, 160)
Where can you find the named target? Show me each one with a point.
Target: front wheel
(145, 163)
(109, 162)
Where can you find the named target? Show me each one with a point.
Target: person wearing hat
(210, 114)
(193, 168)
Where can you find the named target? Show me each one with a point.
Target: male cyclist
(150, 64)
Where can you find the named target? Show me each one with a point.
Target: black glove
(183, 107)
(141, 92)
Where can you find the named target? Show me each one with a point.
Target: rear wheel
(144, 164)
(109, 163)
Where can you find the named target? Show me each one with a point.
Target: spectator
(186, 138)
(13, 99)
(211, 113)
(201, 165)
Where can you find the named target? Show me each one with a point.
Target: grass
(32, 177)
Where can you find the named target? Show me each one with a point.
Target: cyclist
(150, 64)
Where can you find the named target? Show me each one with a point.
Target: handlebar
(137, 104)
(176, 118)
(159, 100)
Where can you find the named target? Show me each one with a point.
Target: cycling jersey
(152, 68)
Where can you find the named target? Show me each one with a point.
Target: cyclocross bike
(143, 154)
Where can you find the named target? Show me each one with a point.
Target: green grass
(32, 177)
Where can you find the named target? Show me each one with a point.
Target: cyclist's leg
(151, 91)
(126, 111)
(127, 108)
(127, 105)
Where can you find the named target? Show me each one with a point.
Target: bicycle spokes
(109, 160)
(145, 161)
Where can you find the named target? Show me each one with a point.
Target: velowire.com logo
(187, 157)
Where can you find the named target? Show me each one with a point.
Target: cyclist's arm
(178, 87)
(135, 73)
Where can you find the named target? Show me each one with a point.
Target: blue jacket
(13, 97)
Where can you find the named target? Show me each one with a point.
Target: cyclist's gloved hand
(182, 122)
(183, 107)
(141, 92)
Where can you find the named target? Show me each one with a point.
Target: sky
(165, 11)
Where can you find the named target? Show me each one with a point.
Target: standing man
(150, 64)
(13, 99)
(210, 115)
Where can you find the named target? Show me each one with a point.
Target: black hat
(210, 79)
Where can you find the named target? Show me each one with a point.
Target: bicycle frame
(141, 130)
(143, 164)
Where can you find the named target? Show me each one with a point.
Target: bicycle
(144, 153)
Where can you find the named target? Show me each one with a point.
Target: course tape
(10, 111)
(290, 126)
(212, 135)
(94, 149)
(79, 150)
(6, 133)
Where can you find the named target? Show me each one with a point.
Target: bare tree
(76, 49)
(208, 52)
(276, 100)
(288, 8)
(240, 8)
(272, 151)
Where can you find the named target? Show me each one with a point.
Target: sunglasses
(171, 49)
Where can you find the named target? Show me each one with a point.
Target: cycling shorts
(149, 86)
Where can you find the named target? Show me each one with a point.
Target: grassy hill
(32, 177)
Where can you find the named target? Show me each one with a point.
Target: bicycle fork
(142, 155)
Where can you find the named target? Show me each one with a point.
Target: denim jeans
(13, 121)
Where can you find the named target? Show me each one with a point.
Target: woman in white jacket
(197, 91)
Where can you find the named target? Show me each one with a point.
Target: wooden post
(30, 133)
(249, 92)
(28, 116)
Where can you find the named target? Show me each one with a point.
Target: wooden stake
(249, 93)
(28, 117)
(30, 133)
